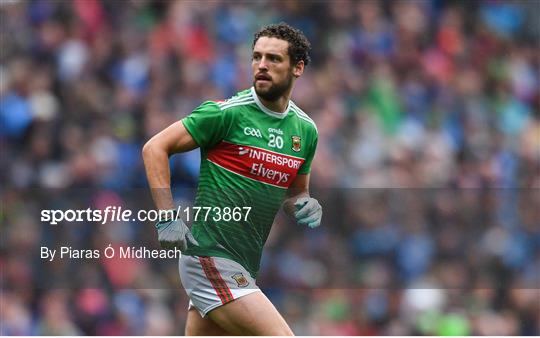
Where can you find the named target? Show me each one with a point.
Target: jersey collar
(268, 111)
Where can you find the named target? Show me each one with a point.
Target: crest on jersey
(240, 280)
(296, 143)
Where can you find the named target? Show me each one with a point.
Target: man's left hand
(308, 212)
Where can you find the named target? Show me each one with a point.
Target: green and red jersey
(250, 155)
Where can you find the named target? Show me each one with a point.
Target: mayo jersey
(250, 155)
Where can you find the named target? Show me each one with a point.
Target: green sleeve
(306, 167)
(206, 124)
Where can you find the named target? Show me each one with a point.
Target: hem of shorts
(213, 306)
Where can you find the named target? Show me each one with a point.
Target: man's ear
(298, 69)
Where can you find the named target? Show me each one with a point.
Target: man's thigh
(253, 315)
(199, 326)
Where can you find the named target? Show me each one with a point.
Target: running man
(256, 153)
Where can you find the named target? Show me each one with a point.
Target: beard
(275, 91)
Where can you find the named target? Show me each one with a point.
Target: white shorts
(213, 281)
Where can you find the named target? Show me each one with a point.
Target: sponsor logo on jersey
(296, 143)
(275, 131)
(240, 280)
(252, 132)
(258, 164)
(242, 151)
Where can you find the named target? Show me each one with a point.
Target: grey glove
(308, 212)
(174, 233)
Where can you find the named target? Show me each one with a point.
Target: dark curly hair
(299, 45)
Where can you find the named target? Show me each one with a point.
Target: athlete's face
(273, 73)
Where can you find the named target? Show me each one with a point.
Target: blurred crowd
(428, 163)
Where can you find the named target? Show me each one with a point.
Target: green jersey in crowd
(250, 155)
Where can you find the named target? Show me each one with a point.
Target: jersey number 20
(275, 141)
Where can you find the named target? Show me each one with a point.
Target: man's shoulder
(241, 98)
(303, 117)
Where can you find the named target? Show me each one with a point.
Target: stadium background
(436, 101)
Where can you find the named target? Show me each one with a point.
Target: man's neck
(279, 106)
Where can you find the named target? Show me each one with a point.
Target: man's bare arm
(299, 188)
(173, 139)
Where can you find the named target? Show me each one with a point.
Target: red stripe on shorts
(213, 275)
